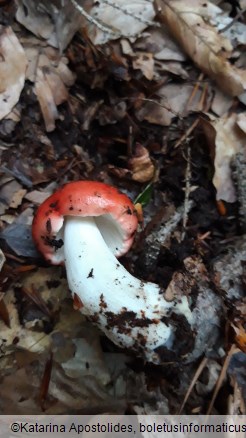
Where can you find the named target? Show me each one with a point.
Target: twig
(145, 99)
(194, 91)
(234, 19)
(187, 133)
(107, 29)
(221, 377)
(187, 192)
(193, 382)
(92, 20)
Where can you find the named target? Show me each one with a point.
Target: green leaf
(145, 196)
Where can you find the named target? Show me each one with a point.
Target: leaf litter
(163, 119)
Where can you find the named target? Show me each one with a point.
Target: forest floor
(164, 126)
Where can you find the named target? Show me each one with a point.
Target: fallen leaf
(11, 194)
(159, 42)
(171, 101)
(49, 86)
(37, 197)
(55, 24)
(121, 17)
(141, 165)
(229, 139)
(37, 21)
(12, 70)
(17, 198)
(16, 333)
(209, 49)
(221, 103)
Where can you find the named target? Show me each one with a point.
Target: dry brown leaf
(12, 70)
(141, 165)
(51, 76)
(210, 50)
(229, 140)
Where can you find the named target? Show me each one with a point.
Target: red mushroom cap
(82, 198)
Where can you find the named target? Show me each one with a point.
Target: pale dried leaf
(229, 140)
(122, 17)
(55, 21)
(171, 102)
(12, 70)
(37, 197)
(11, 194)
(37, 21)
(189, 23)
(67, 76)
(17, 198)
(126, 47)
(172, 67)
(50, 73)
(8, 218)
(32, 54)
(159, 42)
(58, 89)
(46, 101)
(28, 339)
(87, 360)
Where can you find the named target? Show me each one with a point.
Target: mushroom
(87, 225)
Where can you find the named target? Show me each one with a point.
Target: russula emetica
(86, 225)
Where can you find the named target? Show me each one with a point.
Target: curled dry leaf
(209, 49)
(12, 70)
(141, 165)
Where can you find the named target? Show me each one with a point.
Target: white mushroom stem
(129, 311)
